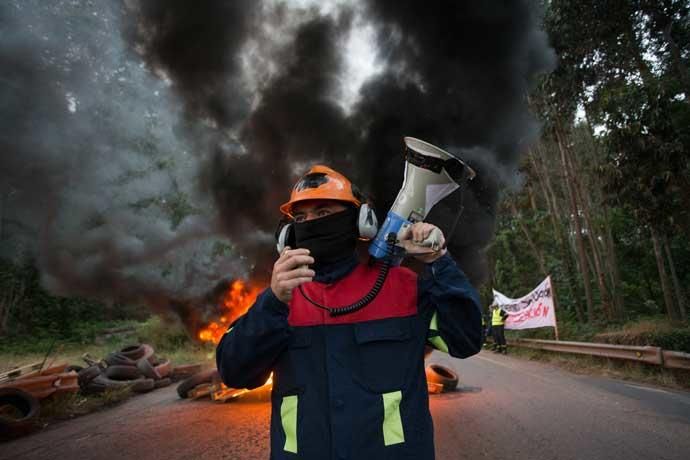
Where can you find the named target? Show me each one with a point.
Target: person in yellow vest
(498, 320)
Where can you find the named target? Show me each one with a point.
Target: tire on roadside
(118, 359)
(184, 371)
(148, 353)
(163, 368)
(162, 383)
(85, 376)
(189, 384)
(26, 405)
(122, 373)
(435, 373)
(147, 369)
(102, 383)
(133, 352)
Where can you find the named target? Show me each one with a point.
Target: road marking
(514, 368)
(639, 387)
(676, 396)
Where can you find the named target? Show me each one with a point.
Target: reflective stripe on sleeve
(392, 423)
(437, 341)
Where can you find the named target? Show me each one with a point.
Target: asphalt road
(506, 408)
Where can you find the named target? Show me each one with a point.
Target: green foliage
(46, 317)
(164, 334)
(655, 332)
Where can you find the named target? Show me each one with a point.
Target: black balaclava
(331, 238)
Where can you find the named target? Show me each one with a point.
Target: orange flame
(235, 303)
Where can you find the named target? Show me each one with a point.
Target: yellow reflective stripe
(437, 341)
(392, 423)
(288, 415)
(439, 344)
(228, 330)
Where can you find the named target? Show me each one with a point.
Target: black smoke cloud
(196, 45)
(128, 127)
(95, 186)
(459, 74)
(455, 74)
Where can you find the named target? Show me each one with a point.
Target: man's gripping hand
(413, 239)
(290, 270)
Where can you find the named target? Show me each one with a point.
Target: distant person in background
(498, 320)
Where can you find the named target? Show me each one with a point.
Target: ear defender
(367, 223)
(285, 237)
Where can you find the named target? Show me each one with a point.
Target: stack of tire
(135, 367)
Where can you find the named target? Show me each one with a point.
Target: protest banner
(536, 309)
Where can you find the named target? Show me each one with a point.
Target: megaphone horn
(431, 174)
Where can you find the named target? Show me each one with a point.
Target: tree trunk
(537, 253)
(556, 222)
(680, 294)
(663, 277)
(608, 242)
(618, 300)
(578, 230)
(593, 239)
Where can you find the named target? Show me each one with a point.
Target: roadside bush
(164, 334)
(649, 332)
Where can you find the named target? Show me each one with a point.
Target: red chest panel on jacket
(397, 298)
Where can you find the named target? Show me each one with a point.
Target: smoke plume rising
(148, 143)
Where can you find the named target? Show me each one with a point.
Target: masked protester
(348, 386)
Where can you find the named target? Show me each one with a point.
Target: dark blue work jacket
(353, 386)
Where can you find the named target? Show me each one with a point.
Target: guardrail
(648, 355)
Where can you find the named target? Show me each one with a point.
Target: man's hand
(289, 271)
(413, 238)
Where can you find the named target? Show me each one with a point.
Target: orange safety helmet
(322, 183)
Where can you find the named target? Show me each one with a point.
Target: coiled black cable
(371, 295)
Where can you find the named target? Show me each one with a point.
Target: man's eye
(323, 213)
(299, 218)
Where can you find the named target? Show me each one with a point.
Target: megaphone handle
(433, 241)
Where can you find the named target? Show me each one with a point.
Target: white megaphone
(431, 174)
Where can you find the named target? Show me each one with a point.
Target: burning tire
(435, 373)
(187, 385)
(19, 412)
